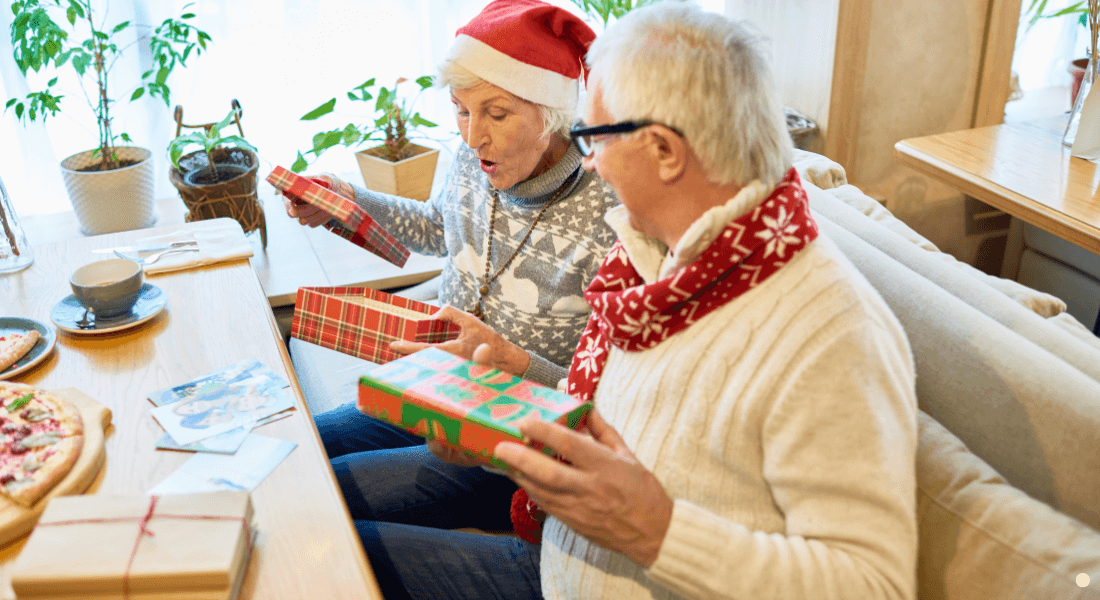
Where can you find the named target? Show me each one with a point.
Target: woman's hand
(606, 495)
(477, 342)
(310, 215)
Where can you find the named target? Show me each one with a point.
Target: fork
(152, 258)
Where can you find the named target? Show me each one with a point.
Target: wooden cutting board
(17, 521)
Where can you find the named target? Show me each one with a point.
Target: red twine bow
(143, 530)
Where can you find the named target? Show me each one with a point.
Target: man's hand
(477, 342)
(606, 495)
(310, 215)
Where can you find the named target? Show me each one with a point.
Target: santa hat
(527, 47)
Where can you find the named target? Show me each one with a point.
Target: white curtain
(1045, 50)
(279, 58)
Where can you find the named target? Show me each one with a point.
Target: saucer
(68, 311)
(46, 340)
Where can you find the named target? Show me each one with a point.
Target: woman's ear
(671, 153)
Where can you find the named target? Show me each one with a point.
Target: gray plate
(66, 313)
(46, 341)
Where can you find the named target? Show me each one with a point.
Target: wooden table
(296, 256)
(216, 316)
(1020, 168)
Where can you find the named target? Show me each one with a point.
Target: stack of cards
(215, 412)
(214, 415)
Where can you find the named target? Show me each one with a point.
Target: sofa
(1008, 386)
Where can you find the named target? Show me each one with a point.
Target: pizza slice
(41, 436)
(14, 345)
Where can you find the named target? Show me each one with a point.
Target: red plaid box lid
(362, 322)
(355, 225)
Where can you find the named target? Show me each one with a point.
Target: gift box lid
(460, 403)
(87, 545)
(362, 322)
(355, 224)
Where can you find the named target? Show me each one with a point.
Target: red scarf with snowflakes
(636, 316)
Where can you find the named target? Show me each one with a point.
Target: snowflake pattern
(635, 316)
(589, 358)
(779, 234)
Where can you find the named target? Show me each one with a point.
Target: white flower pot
(110, 201)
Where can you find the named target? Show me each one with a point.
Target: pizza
(14, 345)
(41, 436)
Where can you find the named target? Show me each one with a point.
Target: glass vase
(1079, 102)
(15, 252)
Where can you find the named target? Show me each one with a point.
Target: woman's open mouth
(489, 166)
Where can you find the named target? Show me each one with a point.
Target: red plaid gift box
(354, 224)
(362, 322)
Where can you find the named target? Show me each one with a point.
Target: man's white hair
(703, 74)
(554, 120)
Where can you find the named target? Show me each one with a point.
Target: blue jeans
(405, 500)
(345, 430)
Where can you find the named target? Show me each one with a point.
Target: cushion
(981, 538)
(1021, 408)
(973, 290)
(827, 175)
(823, 172)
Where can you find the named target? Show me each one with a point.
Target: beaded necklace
(483, 291)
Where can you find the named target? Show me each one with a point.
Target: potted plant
(219, 179)
(392, 164)
(110, 186)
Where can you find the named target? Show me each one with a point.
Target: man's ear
(671, 153)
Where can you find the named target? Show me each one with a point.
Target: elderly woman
(518, 218)
(754, 431)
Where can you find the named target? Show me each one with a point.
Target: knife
(146, 248)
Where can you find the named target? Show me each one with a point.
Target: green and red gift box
(353, 223)
(462, 404)
(362, 322)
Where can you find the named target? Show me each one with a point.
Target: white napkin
(219, 240)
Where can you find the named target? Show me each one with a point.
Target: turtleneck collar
(539, 190)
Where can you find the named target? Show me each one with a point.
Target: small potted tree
(392, 164)
(219, 179)
(110, 186)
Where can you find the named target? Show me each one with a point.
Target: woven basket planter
(236, 198)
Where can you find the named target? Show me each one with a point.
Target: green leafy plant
(1036, 9)
(392, 124)
(209, 139)
(40, 42)
(605, 9)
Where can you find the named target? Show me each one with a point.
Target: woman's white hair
(554, 120)
(703, 74)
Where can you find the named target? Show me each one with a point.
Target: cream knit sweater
(784, 427)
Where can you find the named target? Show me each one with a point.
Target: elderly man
(754, 431)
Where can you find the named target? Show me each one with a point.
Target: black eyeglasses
(584, 134)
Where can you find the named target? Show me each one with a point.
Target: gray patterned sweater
(538, 302)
